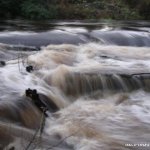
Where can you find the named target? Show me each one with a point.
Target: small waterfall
(81, 84)
(61, 75)
(107, 33)
(97, 95)
(122, 37)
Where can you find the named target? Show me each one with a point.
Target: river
(92, 76)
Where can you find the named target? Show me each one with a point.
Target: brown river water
(97, 75)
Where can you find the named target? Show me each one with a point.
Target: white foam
(93, 124)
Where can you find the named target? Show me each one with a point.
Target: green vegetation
(75, 9)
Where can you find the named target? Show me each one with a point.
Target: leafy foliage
(75, 9)
(32, 10)
(8, 8)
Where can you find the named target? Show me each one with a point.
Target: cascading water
(97, 92)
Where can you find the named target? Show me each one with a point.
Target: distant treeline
(75, 9)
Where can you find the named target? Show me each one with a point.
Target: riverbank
(87, 9)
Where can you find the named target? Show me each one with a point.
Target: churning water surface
(94, 78)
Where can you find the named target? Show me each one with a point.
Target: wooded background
(75, 9)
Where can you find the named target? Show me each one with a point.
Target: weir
(80, 84)
(96, 93)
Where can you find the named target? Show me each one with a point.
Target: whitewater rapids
(102, 93)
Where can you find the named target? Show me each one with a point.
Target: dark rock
(39, 101)
(29, 68)
(2, 63)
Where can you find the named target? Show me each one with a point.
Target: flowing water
(94, 77)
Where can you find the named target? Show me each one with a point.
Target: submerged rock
(2, 63)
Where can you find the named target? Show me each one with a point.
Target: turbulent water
(96, 74)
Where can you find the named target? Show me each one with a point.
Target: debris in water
(36, 100)
(29, 68)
